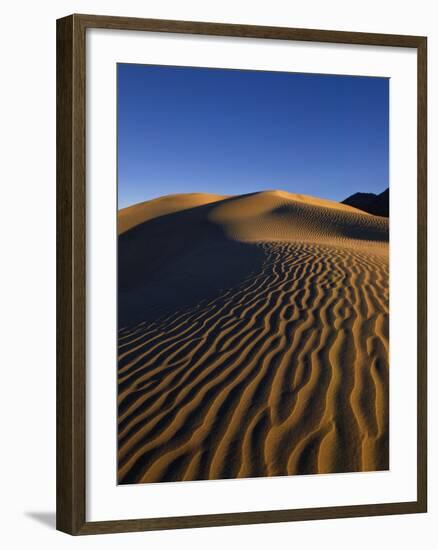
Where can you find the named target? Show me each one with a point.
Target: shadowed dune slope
(253, 338)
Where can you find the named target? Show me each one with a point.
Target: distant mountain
(370, 202)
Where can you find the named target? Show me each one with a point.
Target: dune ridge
(139, 213)
(258, 345)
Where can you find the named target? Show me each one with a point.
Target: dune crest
(139, 213)
(253, 338)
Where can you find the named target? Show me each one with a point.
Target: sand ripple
(283, 372)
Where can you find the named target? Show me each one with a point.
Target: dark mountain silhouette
(370, 202)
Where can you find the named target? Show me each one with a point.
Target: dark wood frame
(71, 435)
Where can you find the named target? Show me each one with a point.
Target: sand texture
(253, 338)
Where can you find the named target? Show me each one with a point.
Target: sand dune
(139, 213)
(253, 338)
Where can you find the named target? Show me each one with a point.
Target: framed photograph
(241, 274)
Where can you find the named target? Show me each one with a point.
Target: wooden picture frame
(71, 270)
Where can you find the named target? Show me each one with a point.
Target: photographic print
(253, 273)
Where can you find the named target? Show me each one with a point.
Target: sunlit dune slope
(282, 216)
(267, 215)
(139, 213)
(253, 338)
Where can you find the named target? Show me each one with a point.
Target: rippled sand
(253, 338)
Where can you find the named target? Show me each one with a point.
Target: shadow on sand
(177, 260)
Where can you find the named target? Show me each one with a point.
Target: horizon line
(270, 190)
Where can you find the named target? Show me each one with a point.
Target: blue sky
(230, 132)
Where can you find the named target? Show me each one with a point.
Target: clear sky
(230, 132)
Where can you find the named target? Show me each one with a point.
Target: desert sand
(253, 338)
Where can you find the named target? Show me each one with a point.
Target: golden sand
(253, 338)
